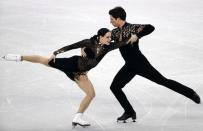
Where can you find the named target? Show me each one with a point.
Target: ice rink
(37, 98)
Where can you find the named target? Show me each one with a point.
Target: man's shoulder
(115, 29)
(132, 25)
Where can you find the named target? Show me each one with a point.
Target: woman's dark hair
(101, 32)
(118, 12)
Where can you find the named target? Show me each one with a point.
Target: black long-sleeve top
(131, 54)
(94, 52)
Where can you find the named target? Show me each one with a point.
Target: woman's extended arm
(76, 45)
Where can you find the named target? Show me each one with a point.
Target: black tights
(127, 72)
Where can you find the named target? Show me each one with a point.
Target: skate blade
(74, 124)
(126, 121)
(2, 57)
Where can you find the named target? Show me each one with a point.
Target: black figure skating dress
(77, 65)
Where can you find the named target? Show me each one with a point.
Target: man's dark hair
(118, 12)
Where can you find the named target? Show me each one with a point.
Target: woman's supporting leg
(36, 59)
(85, 84)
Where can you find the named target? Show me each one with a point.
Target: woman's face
(106, 39)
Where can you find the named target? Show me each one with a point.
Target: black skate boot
(125, 116)
(196, 98)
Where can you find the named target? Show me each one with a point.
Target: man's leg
(120, 80)
(149, 72)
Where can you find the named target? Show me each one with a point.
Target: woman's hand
(83, 54)
(133, 38)
(52, 57)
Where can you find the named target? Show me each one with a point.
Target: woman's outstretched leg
(29, 58)
(85, 84)
(12, 57)
(35, 59)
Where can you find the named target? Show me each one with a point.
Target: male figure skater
(137, 64)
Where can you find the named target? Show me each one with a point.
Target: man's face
(114, 21)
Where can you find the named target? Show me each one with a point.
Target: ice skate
(79, 121)
(12, 57)
(126, 116)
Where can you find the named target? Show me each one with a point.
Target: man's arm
(115, 45)
(143, 30)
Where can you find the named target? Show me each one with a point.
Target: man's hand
(133, 39)
(83, 54)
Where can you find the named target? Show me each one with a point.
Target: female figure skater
(75, 67)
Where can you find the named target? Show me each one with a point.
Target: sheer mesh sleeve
(80, 44)
(142, 30)
(113, 34)
(115, 45)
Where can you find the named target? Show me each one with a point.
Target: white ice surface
(37, 98)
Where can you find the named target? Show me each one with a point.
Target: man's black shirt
(131, 53)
